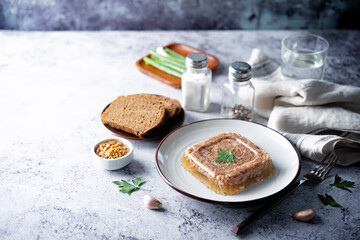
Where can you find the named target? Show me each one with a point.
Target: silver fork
(316, 175)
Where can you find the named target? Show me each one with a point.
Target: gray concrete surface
(54, 86)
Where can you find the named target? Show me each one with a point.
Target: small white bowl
(116, 163)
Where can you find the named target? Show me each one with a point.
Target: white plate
(283, 154)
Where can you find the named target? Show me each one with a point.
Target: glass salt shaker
(196, 83)
(238, 93)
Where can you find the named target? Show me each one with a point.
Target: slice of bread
(135, 114)
(172, 106)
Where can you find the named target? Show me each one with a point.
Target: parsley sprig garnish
(223, 156)
(328, 200)
(340, 183)
(128, 188)
(343, 184)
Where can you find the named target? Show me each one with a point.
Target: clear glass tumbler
(303, 56)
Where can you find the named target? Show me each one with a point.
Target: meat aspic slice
(251, 164)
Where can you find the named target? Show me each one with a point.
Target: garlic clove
(304, 215)
(151, 202)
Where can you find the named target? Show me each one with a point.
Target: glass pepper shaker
(238, 93)
(196, 83)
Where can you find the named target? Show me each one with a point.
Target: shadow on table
(135, 168)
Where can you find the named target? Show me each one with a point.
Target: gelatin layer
(225, 189)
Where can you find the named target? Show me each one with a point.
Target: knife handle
(239, 228)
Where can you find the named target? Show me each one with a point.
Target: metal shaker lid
(239, 71)
(196, 60)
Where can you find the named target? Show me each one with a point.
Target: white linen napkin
(318, 117)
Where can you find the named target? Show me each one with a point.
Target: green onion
(175, 54)
(160, 66)
(166, 60)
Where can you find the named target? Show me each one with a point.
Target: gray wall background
(178, 14)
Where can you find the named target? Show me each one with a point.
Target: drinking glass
(303, 56)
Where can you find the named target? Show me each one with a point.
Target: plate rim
(237, 203)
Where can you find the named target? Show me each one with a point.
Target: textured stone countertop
(54, 86)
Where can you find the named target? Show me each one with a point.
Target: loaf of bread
(141, 114)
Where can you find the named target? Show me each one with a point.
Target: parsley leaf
(343, 184)
(138, 181)
(128, 188)
(328, 200)
(225, 155)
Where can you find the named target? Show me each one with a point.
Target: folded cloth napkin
(318, 117)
